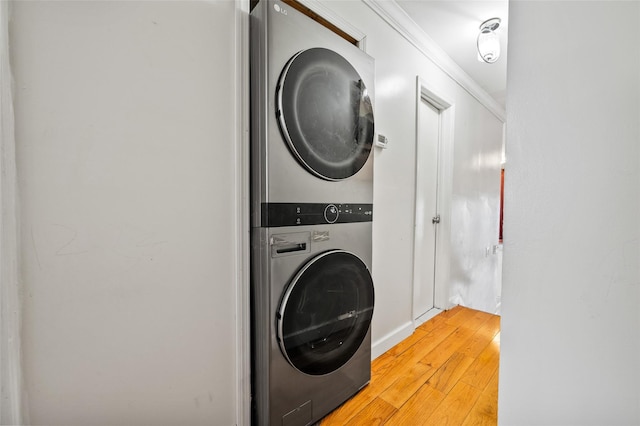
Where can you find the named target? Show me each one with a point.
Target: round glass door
(325, 113)
(325, 312)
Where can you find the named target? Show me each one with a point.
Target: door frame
(426, 91)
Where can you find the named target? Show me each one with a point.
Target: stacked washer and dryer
(312, 295)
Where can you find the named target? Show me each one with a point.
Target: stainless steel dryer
(312, 294)
(313, 305)
(312, 112)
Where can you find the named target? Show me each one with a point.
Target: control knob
(331, 213)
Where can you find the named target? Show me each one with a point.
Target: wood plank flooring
(445, 373)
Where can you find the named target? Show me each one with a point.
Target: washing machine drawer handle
(289, 243)
(290, 248)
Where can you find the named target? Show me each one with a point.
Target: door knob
(436, 219)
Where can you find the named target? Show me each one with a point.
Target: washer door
(325, 312)
(325, 113)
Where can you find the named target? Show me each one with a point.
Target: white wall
(475, 266)
(570, 342)
(10, 305)
(128, 173)
(476, 178)
(125, 129)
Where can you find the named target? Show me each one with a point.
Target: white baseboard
(390, 340)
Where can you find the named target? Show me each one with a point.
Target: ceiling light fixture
(488, 41)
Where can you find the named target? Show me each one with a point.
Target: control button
(331, 213)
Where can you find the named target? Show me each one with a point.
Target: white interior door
(427, 218)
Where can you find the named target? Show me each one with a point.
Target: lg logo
(279, 9)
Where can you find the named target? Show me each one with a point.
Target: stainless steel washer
(312, 295)
(313, 303)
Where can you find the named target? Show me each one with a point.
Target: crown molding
(400, 21)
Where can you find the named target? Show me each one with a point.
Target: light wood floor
(445, 373)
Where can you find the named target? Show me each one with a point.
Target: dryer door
(325, 113)
(325, 312)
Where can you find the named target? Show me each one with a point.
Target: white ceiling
(454, 26)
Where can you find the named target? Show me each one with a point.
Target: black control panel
(292, 214)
